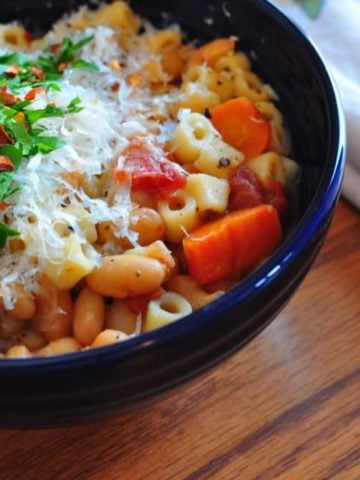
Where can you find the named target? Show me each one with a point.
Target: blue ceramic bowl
(86, 386)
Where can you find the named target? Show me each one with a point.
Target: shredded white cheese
(95, 139)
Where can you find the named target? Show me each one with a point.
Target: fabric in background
(336, 31)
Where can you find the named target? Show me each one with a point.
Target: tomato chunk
(275, 196)
(246, 190)
(139, 303)
(151, 171)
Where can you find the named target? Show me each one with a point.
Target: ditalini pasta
(141, 177)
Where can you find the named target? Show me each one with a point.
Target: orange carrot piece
(211, 52)
(232, 245)
(242, 126)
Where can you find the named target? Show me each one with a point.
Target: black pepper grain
(223, 162)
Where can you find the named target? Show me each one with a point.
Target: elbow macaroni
(180, 216)
(191, 136)
(195, 140)
(268, 166)
(167, 309)
(210, 193)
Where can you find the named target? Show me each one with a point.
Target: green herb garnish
(6, 232)
(20, 137)
(68, 48)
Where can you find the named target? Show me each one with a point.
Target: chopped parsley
(19, 136)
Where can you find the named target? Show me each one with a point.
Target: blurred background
(334, 27)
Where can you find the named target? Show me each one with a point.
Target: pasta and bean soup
(141, 177)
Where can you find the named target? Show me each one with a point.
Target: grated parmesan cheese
(95, 139)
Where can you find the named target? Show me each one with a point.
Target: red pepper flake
(20, 117)
(27, 36)
(3, 205)
(32, 94)
(5, 163)
(37, 72)
(7, 98)
(134, 80)
(61, 67)
(115, 87)
(55, 48)
(4, 137)
(122, 176)
(13, 70)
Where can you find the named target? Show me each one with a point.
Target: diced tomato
(246, 190)
(55, 48)
(4, 137)
(6, 164)
(276, 197)
(37, 72)
(6, 97)
(139, 304)
(151, 171)
(32, 94)
(27, 37)
(12, 70)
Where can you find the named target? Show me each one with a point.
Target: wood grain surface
(286, 407)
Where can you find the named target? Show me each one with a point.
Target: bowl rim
(299, 237)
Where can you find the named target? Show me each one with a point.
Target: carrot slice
(211, 52)
(242, 126)
(232, 245)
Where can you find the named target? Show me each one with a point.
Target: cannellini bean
(18, 351)
(6, 343)
(59, 347)
(16, 244)
(106, 233)
(89, 316)
(143, 199)
(31, 339)
(107, 337)
(9, 326)
(148, 224)
(24, 307)
(121, 317)
(189, 288)
(156, 250)
(122, 276)
(54, 310)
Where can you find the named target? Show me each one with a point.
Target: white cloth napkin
(336, 31)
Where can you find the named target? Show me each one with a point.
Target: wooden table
(285, 407)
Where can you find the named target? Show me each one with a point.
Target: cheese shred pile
(115, 109)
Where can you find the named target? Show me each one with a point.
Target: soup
(141, 177)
